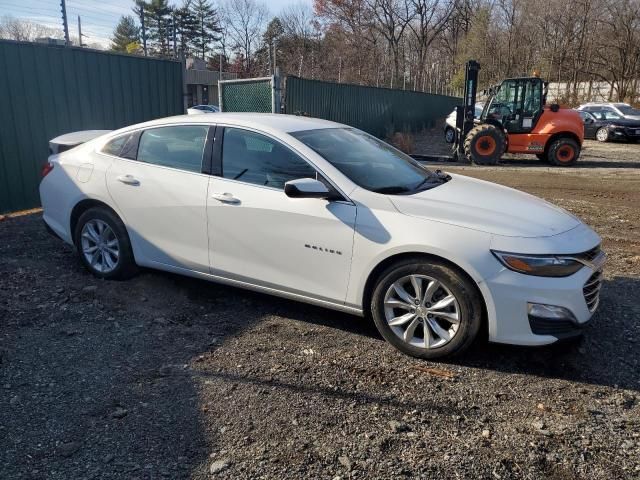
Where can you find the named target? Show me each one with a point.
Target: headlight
(539, 265)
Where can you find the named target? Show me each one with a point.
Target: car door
(590, 124)
(161, 193)
(261, 236)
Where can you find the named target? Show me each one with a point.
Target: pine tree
(125, 34)
(208, 25)
(159, 26)
(186, 27)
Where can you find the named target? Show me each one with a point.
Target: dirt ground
(167, 377)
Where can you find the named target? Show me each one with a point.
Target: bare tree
(246, 20)
(12, 28)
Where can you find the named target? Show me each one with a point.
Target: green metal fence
(46, 91)
(246, 95)
(378, 111)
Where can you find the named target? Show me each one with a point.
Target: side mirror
(306, 188)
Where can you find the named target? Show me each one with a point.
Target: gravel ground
(168, 377)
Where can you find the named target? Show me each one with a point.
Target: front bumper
(513, 292)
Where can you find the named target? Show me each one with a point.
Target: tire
(602, 134)
(449, 135)
(485, 144)
(91, 232)
(467, 305)
(563, 152)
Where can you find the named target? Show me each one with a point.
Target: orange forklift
(515, 119)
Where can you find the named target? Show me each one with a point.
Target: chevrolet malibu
(324, 213)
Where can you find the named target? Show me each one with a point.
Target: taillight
(46, 168)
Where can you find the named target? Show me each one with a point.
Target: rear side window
(254, 158)
(114, 146)
(179, 147)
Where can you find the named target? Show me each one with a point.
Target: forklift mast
(465, 113)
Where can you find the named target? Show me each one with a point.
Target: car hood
(487, 207)
(627, 122)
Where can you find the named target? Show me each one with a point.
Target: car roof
(273, 122)
(595, 104)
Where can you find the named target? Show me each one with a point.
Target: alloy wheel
(602, 135)
(422, 311)
(100, 246)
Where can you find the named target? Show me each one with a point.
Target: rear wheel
(103, 244)
(563, 152)
(485, 144)
(602, 135)
(426, 309)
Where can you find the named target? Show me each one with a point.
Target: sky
(99, 18)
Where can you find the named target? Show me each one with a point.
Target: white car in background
(623, 110)
(450, 123)
(324, 213)
(200, 109)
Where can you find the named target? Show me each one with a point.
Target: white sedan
(323, 213)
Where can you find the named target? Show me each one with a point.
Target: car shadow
(606, 355)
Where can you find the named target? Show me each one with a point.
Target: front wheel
(449, 135)
(485, 144)
(602, 135)
(426, 309)
(563, 152)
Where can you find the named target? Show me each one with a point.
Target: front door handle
(225, 198)
(129, 180)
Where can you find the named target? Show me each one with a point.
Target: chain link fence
(247, 95)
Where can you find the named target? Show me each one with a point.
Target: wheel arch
(81, 207)
(375, 273)
(558, 135)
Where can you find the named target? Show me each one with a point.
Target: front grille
(591, 290)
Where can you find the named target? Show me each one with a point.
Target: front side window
(505, 101)
(367, 161)
(611, 115)
(178, 147)
(114, 146)
(254, 158)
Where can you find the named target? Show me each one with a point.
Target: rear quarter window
(115, 145)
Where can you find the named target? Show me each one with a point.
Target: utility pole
(144, 31)
(175, 45)
(339, 69)
(275, 48)
(220, 74)
(79, 32)
(65, 25)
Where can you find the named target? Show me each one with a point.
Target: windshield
(369, 162)
(627, 110)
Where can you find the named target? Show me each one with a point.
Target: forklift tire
(485, 144)
(563, 152)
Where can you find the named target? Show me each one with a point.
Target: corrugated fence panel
(46, 91)
(378, 111)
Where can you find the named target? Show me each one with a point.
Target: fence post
(275, 91)
(220, 95)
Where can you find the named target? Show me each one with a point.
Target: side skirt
(257, 288)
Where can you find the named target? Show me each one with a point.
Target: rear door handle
(225, 198)
(128, 180)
